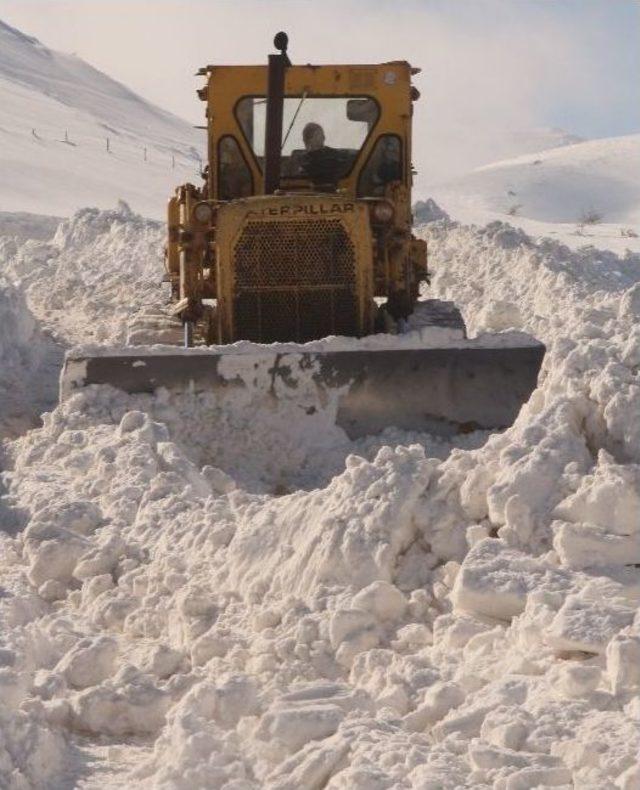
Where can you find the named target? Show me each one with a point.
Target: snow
(244, 600)
(243, 357)
(490, 145)
(198, 603)
(29, 361)
(580, 193)
(45, 95)
(60, 286)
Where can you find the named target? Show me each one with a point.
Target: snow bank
(389, 613)
(27, 363)
(81, 283)
(93, 275)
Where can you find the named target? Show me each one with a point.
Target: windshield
(321, 137)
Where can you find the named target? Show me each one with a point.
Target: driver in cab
(320, 163)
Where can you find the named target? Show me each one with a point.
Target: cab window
(234, 176)
(321, 137)
(383, 166)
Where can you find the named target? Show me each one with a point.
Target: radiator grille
(294, 281)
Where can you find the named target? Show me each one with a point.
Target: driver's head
(313, 136)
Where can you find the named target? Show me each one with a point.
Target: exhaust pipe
(275, 108)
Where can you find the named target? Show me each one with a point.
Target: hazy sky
(490, 67)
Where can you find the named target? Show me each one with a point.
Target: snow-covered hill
(58, 116)
(587, 190)
(443, 152)
(541, 137)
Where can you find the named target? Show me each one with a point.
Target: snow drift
(29, 362)
(64, 283)
(399, 614)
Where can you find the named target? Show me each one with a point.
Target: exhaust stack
(275, 108)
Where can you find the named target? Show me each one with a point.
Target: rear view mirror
(364, 110)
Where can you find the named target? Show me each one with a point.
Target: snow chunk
(90, 662)
(578, 680)
(585, 546)
(589, 618)
(494, 580)
(130, 704)
(630, 304)
(292, 727)
(438, 701)
(499, 315)
(609, 499)
(623, 662)
(381, 599)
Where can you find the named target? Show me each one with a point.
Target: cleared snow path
(468, 619)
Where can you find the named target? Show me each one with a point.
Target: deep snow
(311, 612)
(242, 602)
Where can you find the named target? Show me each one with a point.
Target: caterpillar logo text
(312, 209)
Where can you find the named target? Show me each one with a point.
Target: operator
(321, 164)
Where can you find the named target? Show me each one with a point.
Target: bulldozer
(301, 231)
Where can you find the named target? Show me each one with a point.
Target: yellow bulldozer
(302, 230)
(305, 214)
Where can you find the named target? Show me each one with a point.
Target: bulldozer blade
(441, 390)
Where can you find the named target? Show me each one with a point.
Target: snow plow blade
(443, 390)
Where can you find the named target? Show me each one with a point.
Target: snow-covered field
(307, 612)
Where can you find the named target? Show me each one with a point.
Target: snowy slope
(554, 191)
(539, 138)
(447, 151)
(45, 95)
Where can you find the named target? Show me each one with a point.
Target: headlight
(203, 213)
(382, 212)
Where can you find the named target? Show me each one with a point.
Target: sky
(492, 70)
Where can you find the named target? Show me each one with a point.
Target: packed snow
(248, 605)
(72, 137)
